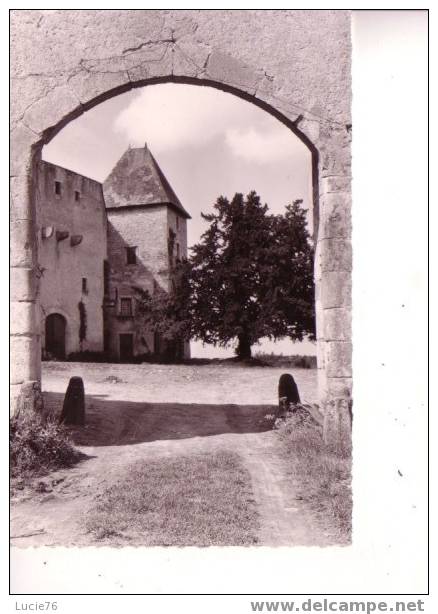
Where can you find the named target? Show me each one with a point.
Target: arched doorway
(55, 335)
(310, 92)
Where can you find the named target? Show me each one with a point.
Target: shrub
(273, 360)
(38, 445)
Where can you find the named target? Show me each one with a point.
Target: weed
(324, 471)
(38, 445)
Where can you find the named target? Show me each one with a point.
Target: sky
(208, 143)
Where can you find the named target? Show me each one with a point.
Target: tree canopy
(250, 276)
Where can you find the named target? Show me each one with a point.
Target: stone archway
(293, 63)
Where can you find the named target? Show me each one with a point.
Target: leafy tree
(252, 275)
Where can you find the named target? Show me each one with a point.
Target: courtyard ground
(166, 417)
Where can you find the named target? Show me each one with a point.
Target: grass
(196, 500)
(37, 446)
(295, 360)
(323, 472)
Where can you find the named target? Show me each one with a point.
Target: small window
(77, 196)
(106, 277)
(131, 256)
(177, 251)
(84, 285)
(126, 306)
(177, 222)
(58, 188)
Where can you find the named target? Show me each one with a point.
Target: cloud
(173, 116)
(263, 146)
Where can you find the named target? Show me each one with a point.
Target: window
(58, 188)
(131, 256)
(106, 278)
(177, 251)
(177, 222)
(77, 196)
(84, 285)
(126, 307)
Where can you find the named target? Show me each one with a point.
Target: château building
(97, 244)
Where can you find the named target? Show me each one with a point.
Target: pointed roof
(137, 180)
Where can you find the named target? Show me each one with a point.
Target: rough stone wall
(63, 265)
(145, 228)
(293, 63)
(178, 224)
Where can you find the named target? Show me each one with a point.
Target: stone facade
(71, 235)
(145, 219)
(95, 251)
(295, 64)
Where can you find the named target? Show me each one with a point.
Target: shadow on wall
(122, 279)
(124, 422)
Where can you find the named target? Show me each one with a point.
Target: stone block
(334, 146)
(22, 140)
(226, 69)
(180, 24)
(25, 359)
(319, 319)
(338, 358)
(310, 127)
(190, 57)
(335, 216)
(337, 324)
(320, 353)
(20, 208)
(322, 383)
(89, 85)
(266, 93)
(24, 284)
(336, 289)
(49, 110)
(14, 393)
(28, 400)
(24, 318)
(335, 183)
(32, 87)
(153, 63)
(335, 255)
(337, 424)
(317, 267)
(23, 243)
(338, 387)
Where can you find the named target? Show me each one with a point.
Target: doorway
(55, 335)
(126, 347)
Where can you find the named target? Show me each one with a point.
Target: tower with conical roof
(147, 232)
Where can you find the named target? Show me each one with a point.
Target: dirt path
(120, 433)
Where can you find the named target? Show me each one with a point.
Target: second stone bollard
(287, 393)
(73, 409)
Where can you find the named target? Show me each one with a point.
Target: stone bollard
(287, 393)
(338, 423)
(73, 409)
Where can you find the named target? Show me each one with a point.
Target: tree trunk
(244, 347)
